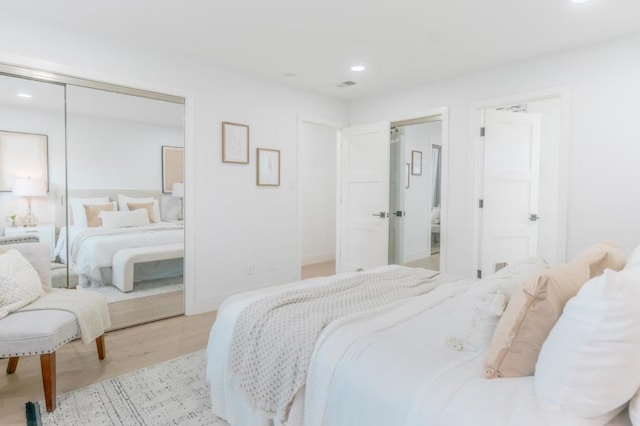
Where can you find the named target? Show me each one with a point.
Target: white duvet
(96, 251)
(392, 366)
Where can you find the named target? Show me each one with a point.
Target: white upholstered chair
(39, 332)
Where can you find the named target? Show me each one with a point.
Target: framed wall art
(22, 155)
(172, 167)
(268, 167)
(235, 143)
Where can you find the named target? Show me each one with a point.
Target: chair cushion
(36, 332)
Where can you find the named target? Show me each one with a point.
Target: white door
(509, 230)
(363, 230)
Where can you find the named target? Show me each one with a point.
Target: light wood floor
(127, 350)
(432, 262)
(323, 269)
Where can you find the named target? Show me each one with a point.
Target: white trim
(476, 120)
(321, 122)
(191, 304)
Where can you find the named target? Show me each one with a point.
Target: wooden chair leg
(100, 346)
(13, 364)
(48, 366)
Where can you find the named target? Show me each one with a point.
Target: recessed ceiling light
(358, 68)
(24, 95)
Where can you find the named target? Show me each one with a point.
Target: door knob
(534, 217)
(381, 215)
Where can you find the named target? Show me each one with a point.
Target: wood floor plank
(128, 349)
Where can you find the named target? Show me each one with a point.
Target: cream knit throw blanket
(90, 309)
(273, 338)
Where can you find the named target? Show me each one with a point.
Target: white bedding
(95, 249)
(391, 366)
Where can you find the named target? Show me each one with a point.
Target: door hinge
(479, 274)
(482, 131)
(480, 204)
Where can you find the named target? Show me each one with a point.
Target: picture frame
(407, 175)
(416, 163)
(23, 155)
(172, 167)
(267, 167)
(235, 143)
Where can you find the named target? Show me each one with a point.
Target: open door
(363, 227)
(509, 215)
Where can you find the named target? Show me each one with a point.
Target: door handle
(399, 213)
(534, 217)
(381, 215)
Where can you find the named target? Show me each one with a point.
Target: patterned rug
(170, 393)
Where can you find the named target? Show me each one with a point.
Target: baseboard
(318, 258)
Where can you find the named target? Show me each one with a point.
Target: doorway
(521, 181)
(415, 193)
(317, 200)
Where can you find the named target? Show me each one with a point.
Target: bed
(89, 248)
(419, 361)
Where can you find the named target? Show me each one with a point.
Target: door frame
(444, 164)
(476, 119)
(337, 126)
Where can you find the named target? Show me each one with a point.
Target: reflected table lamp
(177, 190)
(29, 188)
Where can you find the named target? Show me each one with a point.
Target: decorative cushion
(19, 282)
(147, 206)
(634, 409)
(532, 312)
(76, 206)
(123, 201)
(36, 332)
(589, 365)
(126, 219)
(92, 212)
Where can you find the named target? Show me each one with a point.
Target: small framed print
(235, 143)
(407, 175)
(172, 167)
(268, 167)
(416, 163)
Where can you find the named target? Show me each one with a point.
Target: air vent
(346, 84)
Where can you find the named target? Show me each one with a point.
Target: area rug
(170, 393)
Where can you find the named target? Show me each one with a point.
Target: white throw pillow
(123, 200)
(76, 205)
(127, 219)
(633, 261)
(515, 275)
(589, 364)
(19, 282)
(634, 409)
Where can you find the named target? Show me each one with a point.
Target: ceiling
(402, 43)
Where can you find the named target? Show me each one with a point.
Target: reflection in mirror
(414, 202)
(125, 234)
(32, 163)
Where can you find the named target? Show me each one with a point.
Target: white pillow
(123, 200)
(634, 409)
(19, 282)
(119, 219)
(590, 365)
(76, 205)
(514, 276)
(633, 261)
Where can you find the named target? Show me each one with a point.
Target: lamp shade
(29, 187)
(178, 189)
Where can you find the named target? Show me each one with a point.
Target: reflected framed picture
(416, 163)
(407, 175)
(235, 143)
(268, 167)
(172, 167)
(22, 155)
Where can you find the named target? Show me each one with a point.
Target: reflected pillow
(76, 207)
(19, 282)
(123, 201)
(126, 219)
(147, 206)
(92, 212)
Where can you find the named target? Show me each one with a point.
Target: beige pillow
(147, 206)
(92, 211)
(533, 311)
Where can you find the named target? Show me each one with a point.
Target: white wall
(239, 236)
(417, 198)
(50, 123)
(604, 87)
(317, 192)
